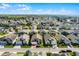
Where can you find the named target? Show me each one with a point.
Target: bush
(55, 54)
(74, 54)
(49, 54)
(68, 51)
(27, 53)
(65, 33)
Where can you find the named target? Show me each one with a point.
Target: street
(37, 49)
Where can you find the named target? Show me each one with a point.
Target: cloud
(61, 11)
(21, 5)
(24, 7)
(3, 6)
(27, 9)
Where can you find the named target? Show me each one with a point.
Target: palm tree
(30, 34)
(43, 33)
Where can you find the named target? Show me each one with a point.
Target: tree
(49, 54)
(55, 54)
(74, 54)
(28, 53)
(65, 33)
(43, 33)
(68, 51)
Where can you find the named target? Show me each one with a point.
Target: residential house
(36, 39)
(50, 40)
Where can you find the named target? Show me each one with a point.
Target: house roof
(71, 36)
(25, 36)
(47, 36)
(13, 36)
(36, 36)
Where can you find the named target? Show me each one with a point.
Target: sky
(40, 8)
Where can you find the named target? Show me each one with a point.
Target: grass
(49, 54)
(62, 45)
(8, 46)
(25, 46)
(2, 34)
(72, 53)
(20, 52)
(76, 46)
(41, 45)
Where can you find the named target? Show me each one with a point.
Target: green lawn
(25, 46)
(2, 34)
(20, 52)
(8, 46)
(76, 46)
(62, 45)
(41, 45)
(72, 53)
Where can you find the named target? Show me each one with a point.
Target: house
(73, 38)
(34, 26)
(36, 39)
(56, 35)
(2, 42)
(24, 38)
(50, 40)
(10, 38)
(66, 40)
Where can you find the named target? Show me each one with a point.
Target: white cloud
(24, 7)
(61, 11)
(21, 5)
(4, 6)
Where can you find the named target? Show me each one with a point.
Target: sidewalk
(1, 46)
(17, 46)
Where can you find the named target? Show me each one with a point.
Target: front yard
(8, 46)
(25, 46)
(62, 45)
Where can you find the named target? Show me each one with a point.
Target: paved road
(36, 49)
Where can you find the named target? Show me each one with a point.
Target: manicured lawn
(41, 45)
(20, 52)
(25, 46)
(62, 45)
(8, 46)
